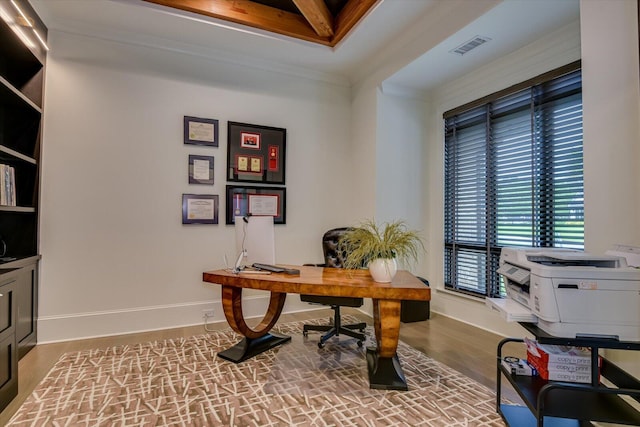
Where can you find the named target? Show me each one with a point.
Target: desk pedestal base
(385, 373)
(247, 348)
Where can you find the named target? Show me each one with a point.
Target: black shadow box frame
(256, 154)
(243, 200)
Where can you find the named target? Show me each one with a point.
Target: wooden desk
(385, 371)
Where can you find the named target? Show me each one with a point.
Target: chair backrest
(332, 257)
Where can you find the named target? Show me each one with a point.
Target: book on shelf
(7, 185)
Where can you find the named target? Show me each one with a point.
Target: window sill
(479, 300)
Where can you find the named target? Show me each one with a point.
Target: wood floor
(469, 350)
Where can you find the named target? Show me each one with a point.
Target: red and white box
(560, 363)
(571, 377)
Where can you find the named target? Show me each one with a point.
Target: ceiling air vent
(469, 45)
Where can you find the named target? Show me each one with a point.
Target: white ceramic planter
(383, 269)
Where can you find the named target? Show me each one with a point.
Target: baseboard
(78, 326)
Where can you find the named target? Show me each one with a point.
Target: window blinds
(513, 177)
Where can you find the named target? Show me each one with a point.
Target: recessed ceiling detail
(325, 22)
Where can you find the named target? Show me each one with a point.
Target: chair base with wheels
(337, 328)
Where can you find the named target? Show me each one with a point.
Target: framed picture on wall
(199, 131)
(260, 201)
(200, 169)
(250, 140)
(200, 208)
(256, 153)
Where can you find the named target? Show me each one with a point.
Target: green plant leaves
(370, 241)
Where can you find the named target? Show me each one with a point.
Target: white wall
(554, 50)
(399, 153)
(611, 98)
(115, 255)
(363, 152)
(611, 134)
(393, 145)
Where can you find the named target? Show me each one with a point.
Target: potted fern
(379, 246)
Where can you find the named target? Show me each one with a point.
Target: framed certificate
(256, 153)
(200, 169)
(199, 209)
(259, 201)
(199, 131)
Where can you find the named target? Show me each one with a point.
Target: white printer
(570, 293)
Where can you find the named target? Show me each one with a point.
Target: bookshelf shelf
(12, 96)
(17, 209)
(7, 154)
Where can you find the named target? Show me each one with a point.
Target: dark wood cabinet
(22, 68)
(26, 306)
(8, 343)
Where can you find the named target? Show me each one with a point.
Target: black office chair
(334, 258)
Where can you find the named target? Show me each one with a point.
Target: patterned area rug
(181, 382)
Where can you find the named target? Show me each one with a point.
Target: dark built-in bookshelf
(22, 68)
(21, 96)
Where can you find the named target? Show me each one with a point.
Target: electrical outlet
(207, 313)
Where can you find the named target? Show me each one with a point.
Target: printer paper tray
(510, 310)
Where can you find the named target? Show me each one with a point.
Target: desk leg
(385, 371)
(248, 347)
(257, 340)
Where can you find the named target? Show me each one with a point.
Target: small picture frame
(256, 154)
(200, 169)
(199, 131)
(200, 208)
(258, 201)
(250, 140)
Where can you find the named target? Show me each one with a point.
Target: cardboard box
(553, 357)
(568, 376)
(560, 363)
(573, 377)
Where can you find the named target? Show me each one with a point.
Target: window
(513, 177)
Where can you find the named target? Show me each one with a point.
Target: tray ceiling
(325, 22)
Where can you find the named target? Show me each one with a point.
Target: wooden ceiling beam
(349, 16)
(318, 15)
(252, 14)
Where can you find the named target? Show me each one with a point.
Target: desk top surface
(328, 282)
